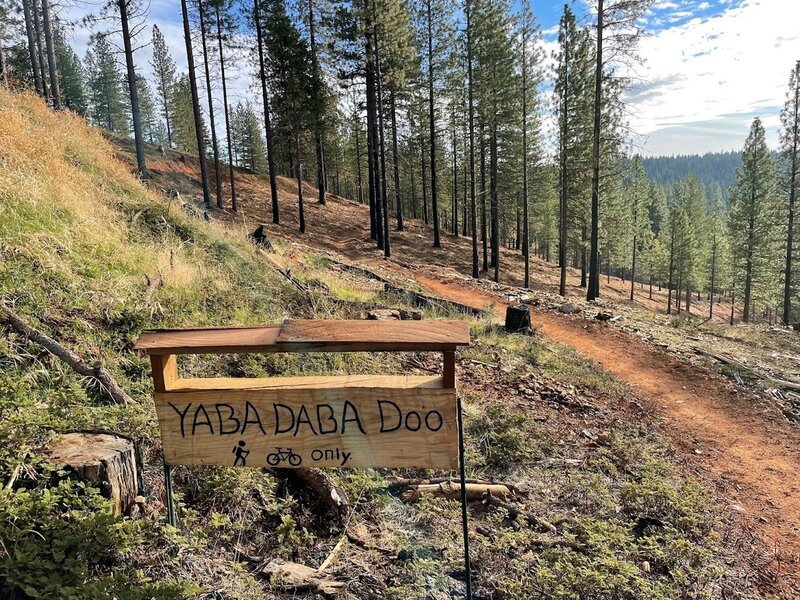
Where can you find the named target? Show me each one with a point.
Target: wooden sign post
(313, 421)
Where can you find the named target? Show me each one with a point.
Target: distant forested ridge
(712, 168)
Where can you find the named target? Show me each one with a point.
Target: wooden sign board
(297, 422)
(345, 427)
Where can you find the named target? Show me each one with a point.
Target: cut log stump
(105, 460)
(518, 319)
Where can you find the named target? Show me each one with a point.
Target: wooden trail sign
(295, 422)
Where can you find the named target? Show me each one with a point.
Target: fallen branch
(96, 372)
(291, 576)
(727, 360)
(452, 491)
(489, 499)
(395, 484)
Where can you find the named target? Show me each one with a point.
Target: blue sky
(708, 67)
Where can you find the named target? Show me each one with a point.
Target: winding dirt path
(740, 445)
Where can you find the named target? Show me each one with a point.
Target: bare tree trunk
(34, 57)
(398, 200)
(132, 87)
(55, 90)
(594, 266)
(384, 194)
(37, 25)
(273, 184)
(437, 243)
(319, 147)
(212, 121)
(234, 205)
(198, 119)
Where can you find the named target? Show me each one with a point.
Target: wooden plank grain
(335, 427)
(309, 381)
(311, 336)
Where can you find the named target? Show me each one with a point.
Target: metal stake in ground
(170, 502)
(467, 568)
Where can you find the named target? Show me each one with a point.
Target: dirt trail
(736, 442)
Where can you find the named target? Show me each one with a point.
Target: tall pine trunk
(398, 200)
(212, 121)
(37, 26)
(317, 101)
(273, 185)
(787, 285)
(525, 221)
(234, 204)
(437, 242)
(484, 219)
(379, 87)
(55, 90)
(198, 118)
(493, 160)
(594, 266)
(132, 87)
(33, 55)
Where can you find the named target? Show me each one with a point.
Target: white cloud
(712, 75)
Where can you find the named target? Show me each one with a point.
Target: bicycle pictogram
(281, 455)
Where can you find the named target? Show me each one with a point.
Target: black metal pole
(170, 502)
(467, 568)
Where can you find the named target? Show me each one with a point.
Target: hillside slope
(93, 257)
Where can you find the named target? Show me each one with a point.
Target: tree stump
(105, 460)
(260, 239)
(518, 319)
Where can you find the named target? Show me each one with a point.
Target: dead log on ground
(452, 491)
(424, 300)
(293, 577)
(105, 460)
(96, 372)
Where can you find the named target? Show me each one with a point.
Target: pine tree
(531, 76)
(104, 80)
(790, 172)
(184, 135)
(55, 89)
(638, 201)
(128, 8)
(265, 100)
(71, 73)
(224, 20)
(152, 129)
(250, 150)
(289, 73)
(753, 221)
(572, 103)
(618, 22)
(165, 71)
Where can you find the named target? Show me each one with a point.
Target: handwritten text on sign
(339, 427)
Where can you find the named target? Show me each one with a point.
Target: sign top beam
(311, 336)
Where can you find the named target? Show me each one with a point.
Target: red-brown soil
(733, 441)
